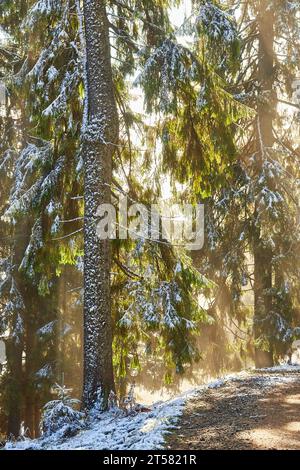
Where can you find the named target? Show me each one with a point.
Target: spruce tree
(272, 208)
(177, 81)
(259, 197)
(36, 168)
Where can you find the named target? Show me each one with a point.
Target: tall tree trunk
(265, 141)
(99, 136)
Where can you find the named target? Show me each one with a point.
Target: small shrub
(61, 416)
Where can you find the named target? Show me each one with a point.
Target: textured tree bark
(100, 134)
(265, 140)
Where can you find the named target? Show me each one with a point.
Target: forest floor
(246, 410)
(260, 410)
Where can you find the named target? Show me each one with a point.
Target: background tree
(253, 218)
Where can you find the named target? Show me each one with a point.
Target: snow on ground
(113, 432)
(145, 430)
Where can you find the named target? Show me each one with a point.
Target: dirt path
(254, 411)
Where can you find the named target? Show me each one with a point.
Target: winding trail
(258, 410)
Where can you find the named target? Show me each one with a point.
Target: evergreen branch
(126, 270)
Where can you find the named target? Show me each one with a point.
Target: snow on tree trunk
(264, 142)
(100, 134)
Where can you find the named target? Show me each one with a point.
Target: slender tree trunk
(14, 350)
(262, 301)
(37, 419)
(265, 141)
(29, 295)
(100, 135)
(15, 343)
(28, 389)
